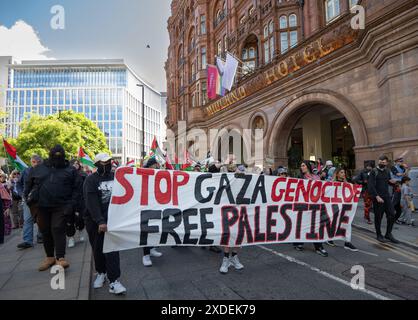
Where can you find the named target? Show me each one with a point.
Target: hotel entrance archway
(322, 117)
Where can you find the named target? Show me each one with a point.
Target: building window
(293, 20)
(202, 24)
(332, 8)
(203, 58)
(204, 93)
(249, 59)
(284, 43)
(353, 3)
(269, 42)
(283, 22)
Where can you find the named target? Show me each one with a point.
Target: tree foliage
(72, 130)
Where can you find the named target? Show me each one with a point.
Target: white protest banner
(164, 208)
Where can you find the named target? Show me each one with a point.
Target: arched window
(283, 22)
(268, 42)
(293, 20)
(249, 54)
(332, 9)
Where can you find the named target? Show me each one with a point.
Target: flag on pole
(13, 157)
(85, 159)
(230, 71)
(157, 152)
(213, 76)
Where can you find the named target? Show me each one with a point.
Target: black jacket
(56, 187)
(378, 183)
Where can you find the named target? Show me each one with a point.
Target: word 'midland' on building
(317, 86)
(106, 91)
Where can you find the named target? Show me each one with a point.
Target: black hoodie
(57, 186)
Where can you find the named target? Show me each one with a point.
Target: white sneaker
(236, 263)
(100, 280)
(146, 260)
(81, 236)
(71, 242)
(154, 253)
(117, 288)
(226, 263)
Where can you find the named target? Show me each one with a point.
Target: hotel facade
(105, 91)
(318, 83)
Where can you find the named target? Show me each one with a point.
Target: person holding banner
(150, 252)
(97, 191)
(306, 173)
(340, 176)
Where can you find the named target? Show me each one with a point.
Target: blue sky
(93, 29)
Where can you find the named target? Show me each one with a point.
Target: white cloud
(22, 42)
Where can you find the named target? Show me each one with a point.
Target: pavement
(21, 280)
(272, 272)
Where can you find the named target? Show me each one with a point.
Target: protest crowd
(65, 197)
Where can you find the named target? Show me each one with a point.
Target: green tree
(71, 130)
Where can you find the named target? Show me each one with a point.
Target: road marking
(369, 253)
(403, 263)
(324, 273)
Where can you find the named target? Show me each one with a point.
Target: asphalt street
(272, 272)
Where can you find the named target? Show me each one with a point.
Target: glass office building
(106, 91)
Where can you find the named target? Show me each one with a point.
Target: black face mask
(103, 169)
(382, 166)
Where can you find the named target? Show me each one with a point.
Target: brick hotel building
(318, 87)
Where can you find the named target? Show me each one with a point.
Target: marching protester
(54, 187)
(97, 192)
(362, 179)
(406, 202)
(230, 257)
(79, 209)
(340, 176)
(150, 252)
(306, 173)
(29, 214)
(398, 171)
(282, 172)
(327, 172)
(17, 213)
(378, 187)
(6, 204)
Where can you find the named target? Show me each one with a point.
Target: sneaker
(100, 280)
(24, 245)
(117, 288)
(63, 263)
(381, 239)
(322, 252)
(71, 242)
(350, 246)
(299, 247)
(331, 243)
(154, 253)
(391, 239)
(226, 263)
(46, 264)
(146, 260)
(236, 263)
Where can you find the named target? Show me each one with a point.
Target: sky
(94, 29)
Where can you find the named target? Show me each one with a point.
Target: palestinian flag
(13, 157)
(157, 152)
(190, 162)
(85, 159)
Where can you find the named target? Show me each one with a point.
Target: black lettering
(343, 219)
(224, 185)
(228, 222)
(271, 236)
(198, 189)
(205, 225)
(326, 223)
(168, 227)
(241, 194)
(244, 227)
(146, 216)
(312, 235)
(287, 222)
(300, 208)
(259, 188)
(188, 227)
(258, 237)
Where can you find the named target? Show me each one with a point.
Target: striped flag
(157, 152)
(85, 159)
(13, 157)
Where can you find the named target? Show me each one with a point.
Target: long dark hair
(308, 165)
(57, 157)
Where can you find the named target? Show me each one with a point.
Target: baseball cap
(102, 157)
(282, 170)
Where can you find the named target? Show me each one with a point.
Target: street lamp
(143, 119)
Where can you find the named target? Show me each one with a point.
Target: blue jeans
(27, 224)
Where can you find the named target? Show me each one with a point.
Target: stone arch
(297, 107)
